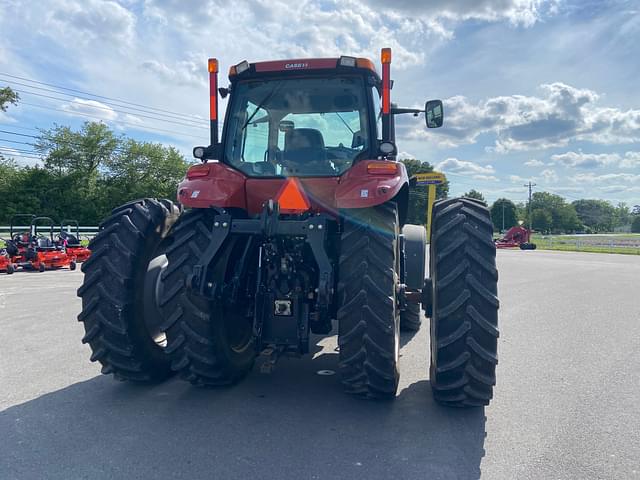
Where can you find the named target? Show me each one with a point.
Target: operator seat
(304, 153)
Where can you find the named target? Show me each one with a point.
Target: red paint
(222, 187)
(228, 188)
(359, 189)
(386, 88)
(296, 65)
(213, 95)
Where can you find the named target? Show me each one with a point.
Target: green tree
(87, 173)
(7, 97)
(418, 194)
(597, 215)
(475, 194)
(504, 214)
(622, 215)
(563, 215)
(542, 220)
(635, 225)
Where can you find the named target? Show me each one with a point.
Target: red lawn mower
(71, 242)
(6, 265)
(516, 237)
(18, 242)
(40, 252)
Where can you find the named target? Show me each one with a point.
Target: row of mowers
(41, 248)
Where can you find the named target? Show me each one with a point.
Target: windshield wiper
(345, 123)
(260, 105)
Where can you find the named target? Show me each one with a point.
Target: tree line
(84, 174)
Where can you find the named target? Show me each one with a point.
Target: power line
(185, 117)
(110, 109)
(92, 94)
(137, 126)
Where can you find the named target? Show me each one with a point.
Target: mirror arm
(399, 111)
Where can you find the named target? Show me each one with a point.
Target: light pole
(530, 185)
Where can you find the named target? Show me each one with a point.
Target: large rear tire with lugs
(118, 318)
(211, 341)
(368, 314)
(464, 325)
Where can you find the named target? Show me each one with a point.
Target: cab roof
(300, 65)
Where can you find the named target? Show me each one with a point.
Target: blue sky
(541, 90)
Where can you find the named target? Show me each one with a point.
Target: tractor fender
(415, 245)
(362, 187)
(212, 184)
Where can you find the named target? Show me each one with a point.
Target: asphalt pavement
(565, 407)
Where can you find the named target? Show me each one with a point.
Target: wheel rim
(152, 293)
(238, 323)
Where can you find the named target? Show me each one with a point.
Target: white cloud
(85, 21)
(630, 160)
(463, 167)
(562, 114)
(91, 108)
(549, 176)
(610, 178)
(405, 155)
(517, 12)
(487, 178)
(184, 72)
(518, 179)
(592, 160)
(534, 163)
(585, 160)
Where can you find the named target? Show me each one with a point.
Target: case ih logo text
(296, 65)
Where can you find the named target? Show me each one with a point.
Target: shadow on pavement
(290, 424)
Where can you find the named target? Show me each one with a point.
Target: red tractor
(71, 241)
(516, 237)
(294, 223)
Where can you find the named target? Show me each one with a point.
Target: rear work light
(347, 61)
(242, 67)
(383, 168)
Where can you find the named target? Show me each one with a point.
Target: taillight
(382, 168)
(198, 171)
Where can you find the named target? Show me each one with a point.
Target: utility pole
(503, 216)
(530, 185)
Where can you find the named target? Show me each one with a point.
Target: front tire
(115, 319)
(368, 316)
(464, 326)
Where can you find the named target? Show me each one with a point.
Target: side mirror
(433, 113)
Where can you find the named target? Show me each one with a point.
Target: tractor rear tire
(113, 303)
(368, 314)
(464, 326)
(411, 318)
(211, 342)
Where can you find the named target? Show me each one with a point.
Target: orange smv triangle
(291, 197)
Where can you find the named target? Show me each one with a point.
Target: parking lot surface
(565, 407)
